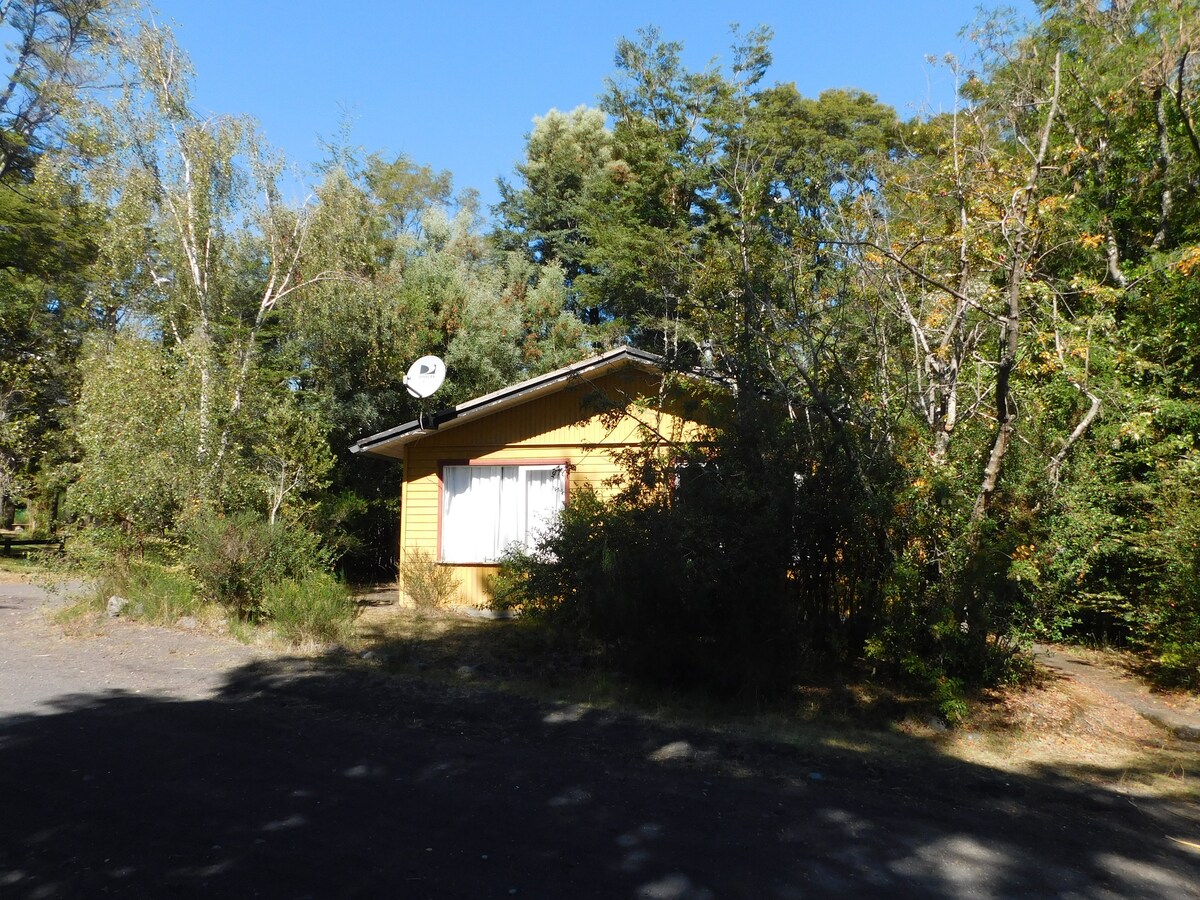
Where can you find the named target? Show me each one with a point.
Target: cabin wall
(564, 426)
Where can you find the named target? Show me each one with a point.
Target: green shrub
(315, 608)
(235, 558)
(1178, 664)
(155, 594)
(951, 702)
(739, 578)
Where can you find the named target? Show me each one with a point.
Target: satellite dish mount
(424, 378)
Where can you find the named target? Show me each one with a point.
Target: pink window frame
(443, 463)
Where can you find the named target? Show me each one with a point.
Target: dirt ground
(1075, 726)
(137, 761)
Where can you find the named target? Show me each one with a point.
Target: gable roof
(389, 443)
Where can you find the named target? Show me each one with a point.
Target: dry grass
(1063, 727)
(81, 619)
(441, 642)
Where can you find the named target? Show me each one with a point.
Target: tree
(433, 285)
(709, 243)
(46, 244)
(135, 427)
(292, 455)
(213, 289)
(47, 228)
(199, 255)
(1116, 550)
(55, 59)
(404, 191)
(566, 155)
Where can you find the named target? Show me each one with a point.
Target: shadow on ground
(304, 779)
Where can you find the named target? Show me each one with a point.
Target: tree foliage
(47, 236)
(959, 305)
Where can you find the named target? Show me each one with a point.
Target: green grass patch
(158, 595)
(242, 631)
(162, 596)
(315, 609)
(30, 565)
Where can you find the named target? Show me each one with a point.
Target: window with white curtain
(488, 509)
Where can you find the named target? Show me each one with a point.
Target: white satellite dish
(425, 376)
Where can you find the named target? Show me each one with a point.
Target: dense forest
(961, 350)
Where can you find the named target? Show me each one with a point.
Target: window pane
(545, 492)
(487, 509)
(507, 512)
(471, 494)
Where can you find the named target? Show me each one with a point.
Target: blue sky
(456, 85)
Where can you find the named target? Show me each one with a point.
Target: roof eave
(389, 444)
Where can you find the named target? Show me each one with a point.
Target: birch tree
(200, 255)
(204, 248)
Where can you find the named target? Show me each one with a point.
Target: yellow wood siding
(567, 425)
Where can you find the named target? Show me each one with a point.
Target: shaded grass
(527, 658)
(1041, 726)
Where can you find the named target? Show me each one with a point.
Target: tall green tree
(567, 158)
(426, 280)
(711, 244)
(57, 54)
(55, 61)
(200, 253)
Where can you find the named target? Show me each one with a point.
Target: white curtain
(504, 507)
(545, 491)
(487, 509)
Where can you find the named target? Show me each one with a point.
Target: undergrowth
(157, 595)
(428, 584)
(317, 607)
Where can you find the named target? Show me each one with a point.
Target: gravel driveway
(39, 665)
(146, 763)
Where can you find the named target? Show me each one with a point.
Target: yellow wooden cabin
(491, 472)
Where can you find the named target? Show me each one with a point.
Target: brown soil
(1075, 729)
